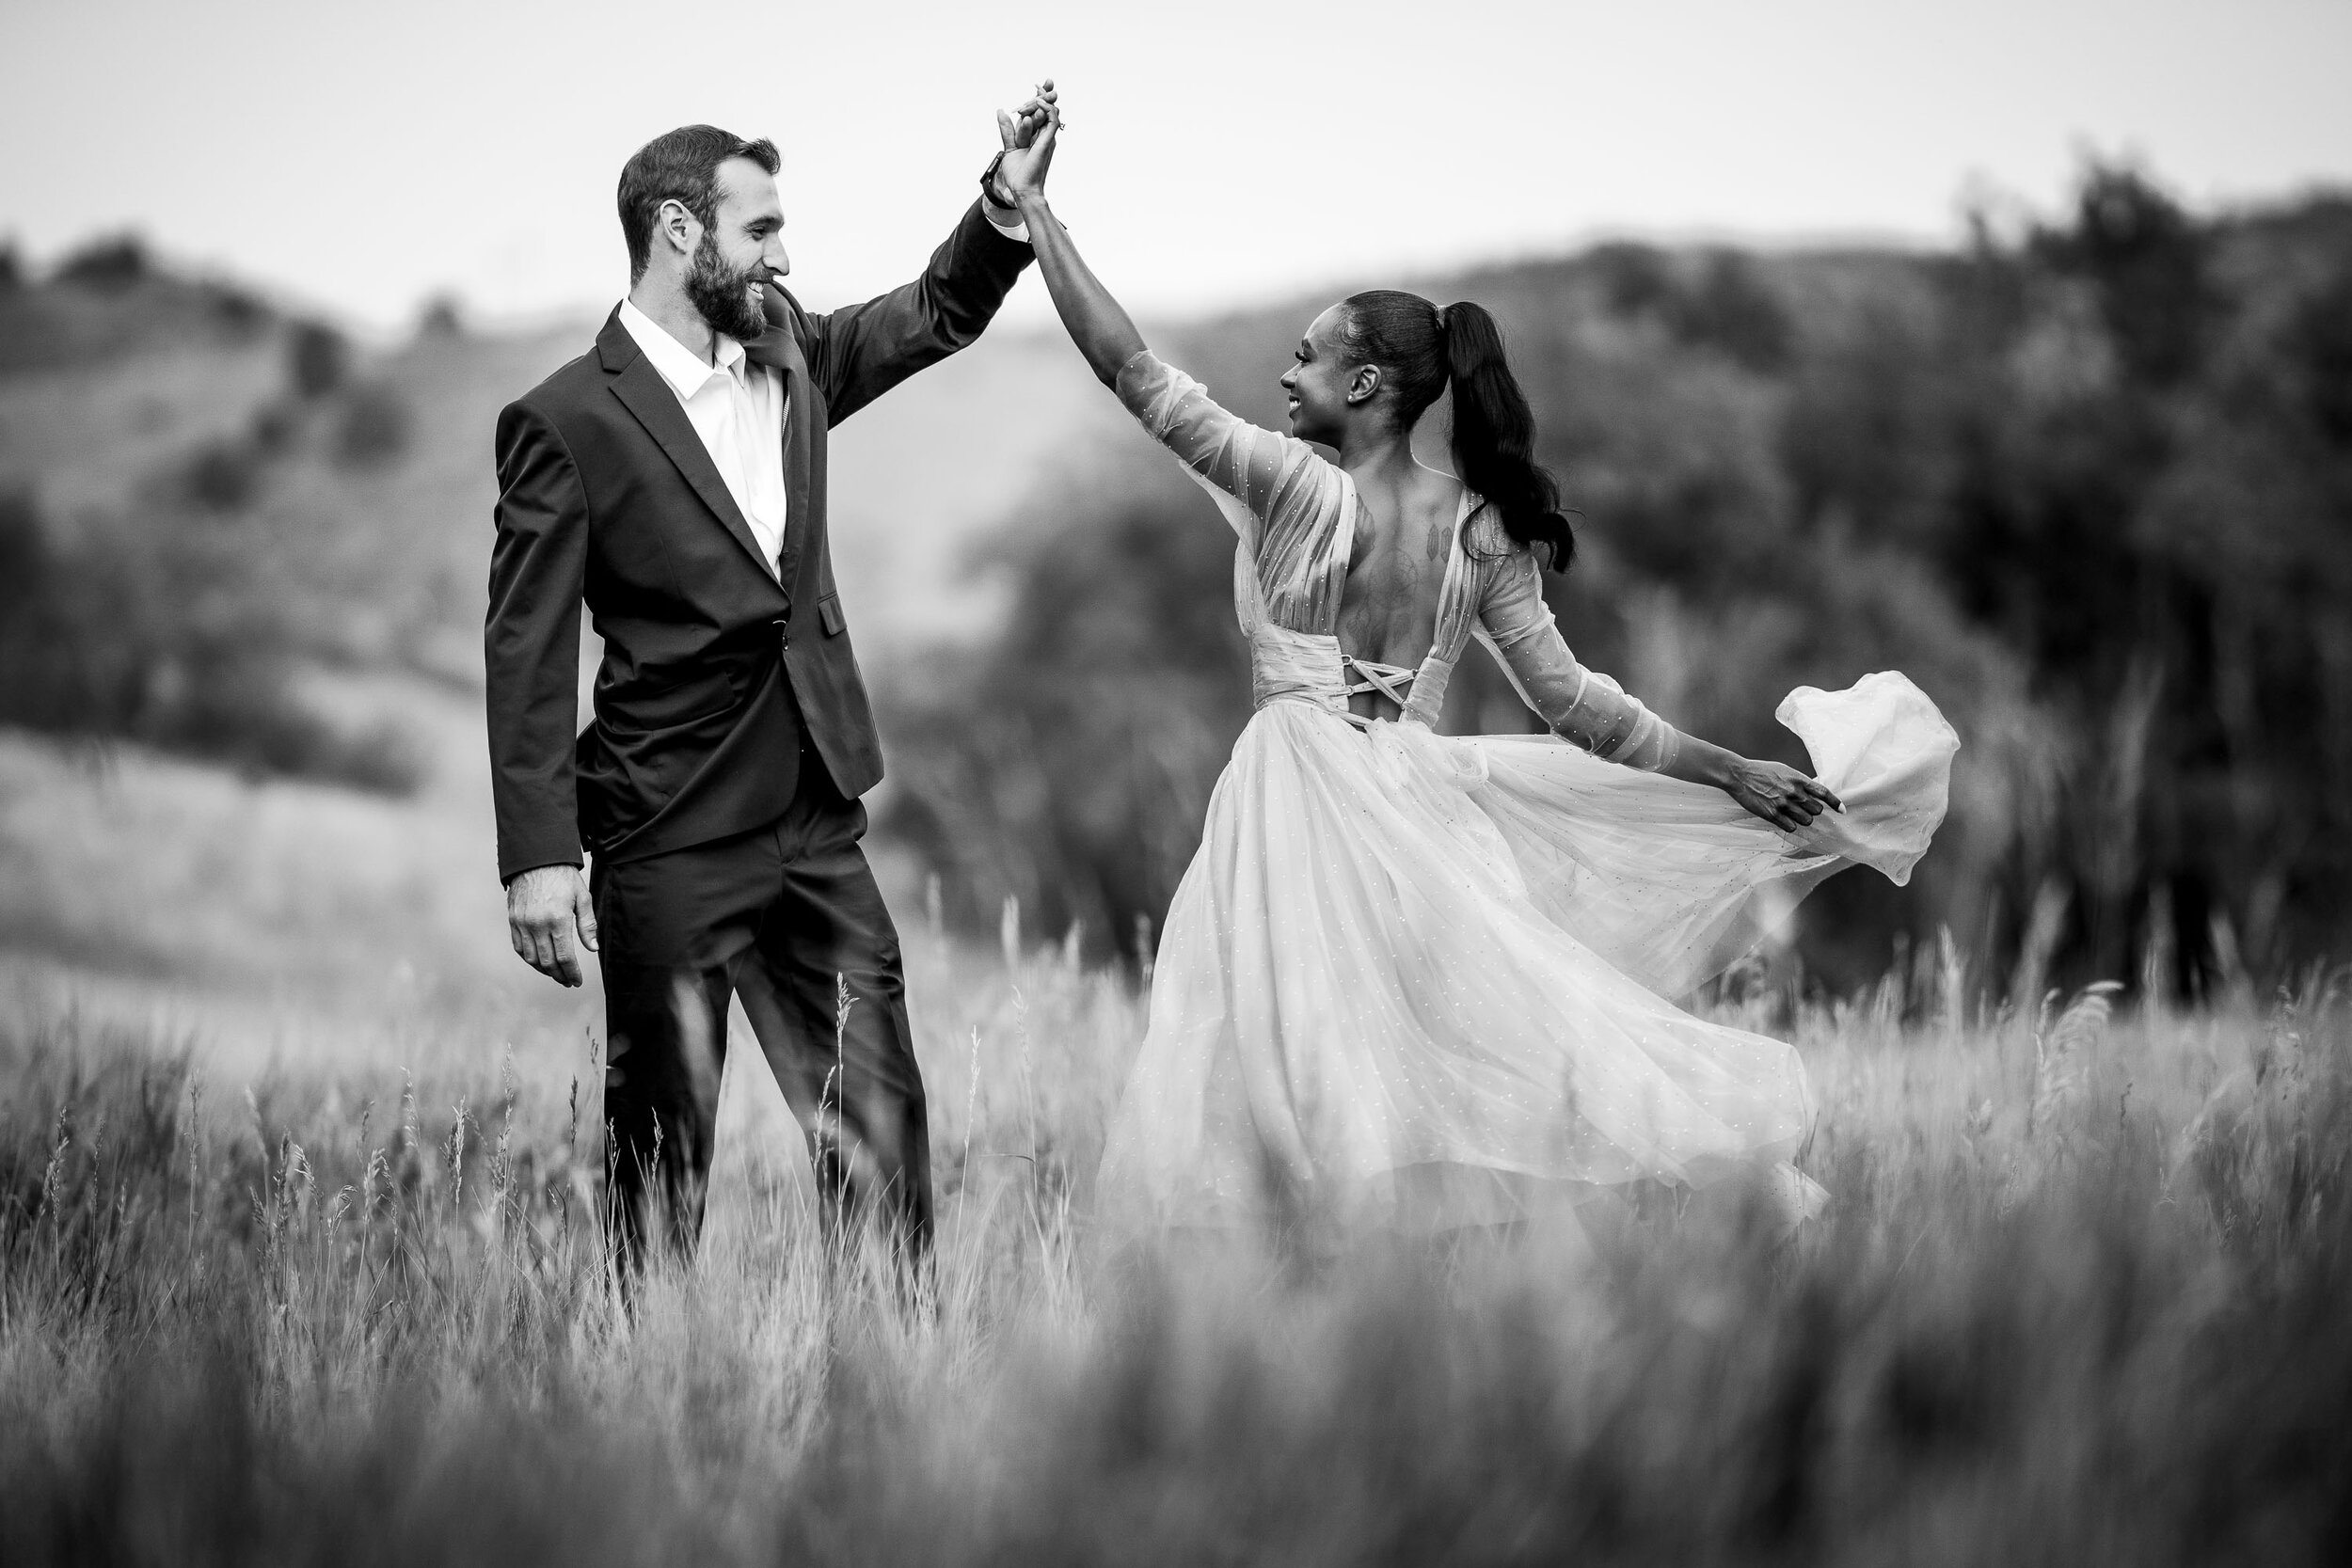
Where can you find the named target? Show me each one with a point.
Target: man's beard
(723, 294)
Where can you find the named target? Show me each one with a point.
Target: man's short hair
(680, 165)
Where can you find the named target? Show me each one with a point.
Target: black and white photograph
(1375, 784)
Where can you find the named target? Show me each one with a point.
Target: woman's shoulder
(1482, 533)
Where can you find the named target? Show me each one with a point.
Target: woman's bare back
(1395, 572)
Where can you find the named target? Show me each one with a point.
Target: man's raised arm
(859, 352)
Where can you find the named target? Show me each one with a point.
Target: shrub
(225, 475)
(2325, 332)
(317, 360)
(275, 427)
(108, 265)
(24, 553)
(442, 317)
(38, 687)
(238, 309)
(120, 637)
(375, 427)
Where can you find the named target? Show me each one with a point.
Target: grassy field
(2081, 1296)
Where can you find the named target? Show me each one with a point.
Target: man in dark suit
(674, 479)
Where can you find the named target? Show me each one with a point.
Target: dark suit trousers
(789, 917)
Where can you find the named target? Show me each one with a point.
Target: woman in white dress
(1423, 978)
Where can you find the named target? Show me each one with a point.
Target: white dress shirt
(737, 407)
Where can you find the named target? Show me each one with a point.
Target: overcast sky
(365, 157)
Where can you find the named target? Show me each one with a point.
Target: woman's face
(1319, 380)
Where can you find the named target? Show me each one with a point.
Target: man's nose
(778, 262)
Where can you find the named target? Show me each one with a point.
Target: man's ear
(679, 227)
(1363, 384)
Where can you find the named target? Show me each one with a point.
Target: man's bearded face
(727, 297)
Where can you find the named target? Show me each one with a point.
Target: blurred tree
(2323, 332)
(275, 425)
(239, 310)
(109, 265)
(224, 475)
(23, 561)
(374, 425)
(2147, 258)
(1716, 300)
(442, 316)
(1730, 308)
(158, 637)
(317, 360)
(1635, 279)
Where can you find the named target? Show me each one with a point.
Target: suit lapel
(778, 349)
(643, 391)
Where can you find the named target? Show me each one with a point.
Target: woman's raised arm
(1097, 322)
(1282, 486)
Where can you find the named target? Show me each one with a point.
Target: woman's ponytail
(1423, 351)
(1494, 434)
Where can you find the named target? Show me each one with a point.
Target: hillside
(216, 493)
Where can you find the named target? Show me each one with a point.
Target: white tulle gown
(1424, 979)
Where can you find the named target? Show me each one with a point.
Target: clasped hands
(1029, 133)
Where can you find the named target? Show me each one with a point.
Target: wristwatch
(989, 189)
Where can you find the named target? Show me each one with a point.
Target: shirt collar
(677, 364)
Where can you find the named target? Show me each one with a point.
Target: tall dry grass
(2081, 1296)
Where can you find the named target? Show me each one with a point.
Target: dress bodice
(1311, 666)
(1296, 515)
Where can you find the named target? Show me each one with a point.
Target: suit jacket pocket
(829, 611)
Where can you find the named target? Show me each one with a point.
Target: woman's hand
(1778, 793)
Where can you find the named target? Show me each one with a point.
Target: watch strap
(996, 194)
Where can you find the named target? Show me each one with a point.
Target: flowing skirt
(1425, 978)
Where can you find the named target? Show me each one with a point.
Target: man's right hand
(545, 907)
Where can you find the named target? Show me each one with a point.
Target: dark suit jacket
(714, 671)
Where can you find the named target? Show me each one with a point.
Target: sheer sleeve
(1281, 484)
(1581, 705)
